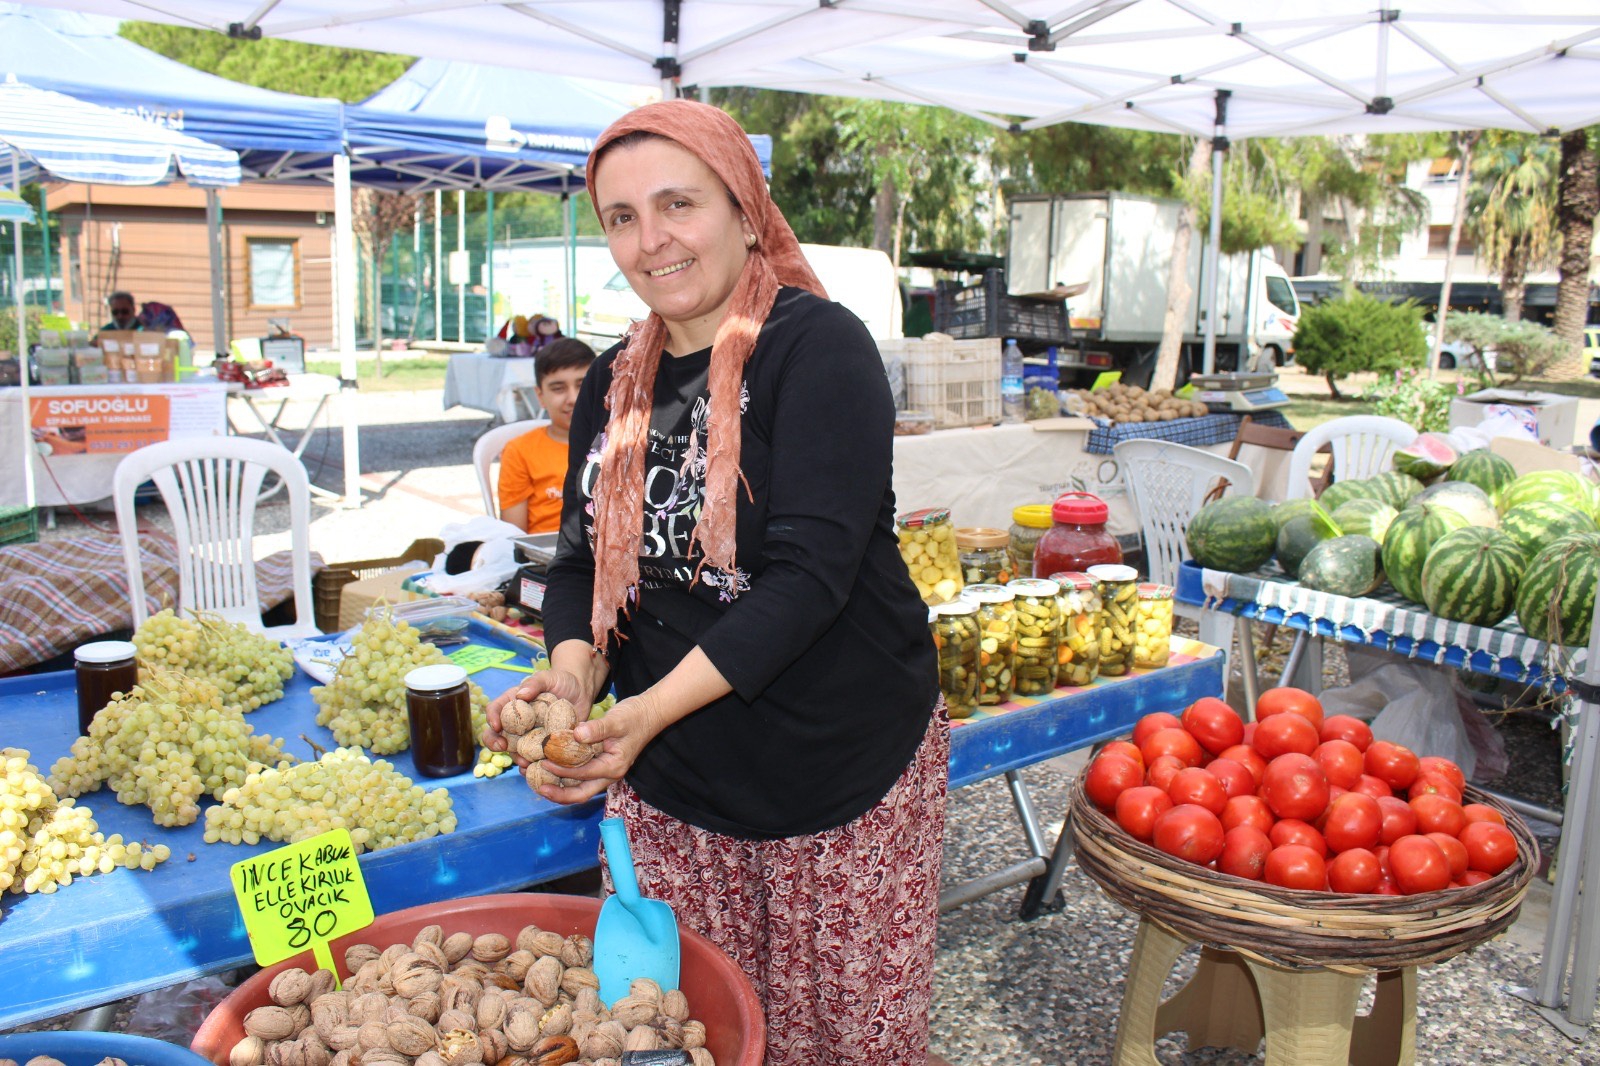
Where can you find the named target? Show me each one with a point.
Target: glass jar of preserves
(955, 633)
(985, 555)
(1077, 538)
(1038, 626)
(1152, 641)
(440, 709)
(1028, 523)
(1079, 653)
(928, 546)
(105, 669)
(997, 641)
(1119, 611)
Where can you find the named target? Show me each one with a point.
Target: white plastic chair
(1362, 446)
(210, 485)
(488, 449)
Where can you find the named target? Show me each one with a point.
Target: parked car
(1591, 349)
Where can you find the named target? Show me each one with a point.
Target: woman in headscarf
(728, 559)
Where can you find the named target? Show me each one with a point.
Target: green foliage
(1358, 333)
(1255, 203)
(1511, 203)
(1076, 157)
(347, 74)
(8, 326)
(1414, 399)
(1365, 177)
(1521, 349)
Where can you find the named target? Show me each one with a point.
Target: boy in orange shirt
(533, 467)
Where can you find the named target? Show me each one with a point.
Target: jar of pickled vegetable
(1028, 523)
(1038, 625)
(955, 633)
(1119, 611)
(1077, 538)
(997, 647)
(928, 546)
(1152, 641)
(985, 555)
(1079, 652)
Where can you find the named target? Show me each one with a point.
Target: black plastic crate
(987, 310)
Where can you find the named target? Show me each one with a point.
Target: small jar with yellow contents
(997, 644)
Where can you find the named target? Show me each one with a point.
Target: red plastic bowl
(718, 991)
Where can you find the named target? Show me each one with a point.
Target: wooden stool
(1307, 1016)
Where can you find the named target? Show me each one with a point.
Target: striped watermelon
(1344, 566)
(1282, 512)
(1483, 468)
(1342, 492)
(1471, 576)
(1236, 534)
(1300, 534)
(1536, 525)
(1548, 486)
(1370, 518)
(1394, 488)
(1426, 457)
(1556, 600)
(1406, 545)
(1468, 500)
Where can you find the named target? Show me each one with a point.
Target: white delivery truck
(1116, 248)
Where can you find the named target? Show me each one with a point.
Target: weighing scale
(1239, 392)
(527, 588)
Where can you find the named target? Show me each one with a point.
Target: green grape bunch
(249, 669)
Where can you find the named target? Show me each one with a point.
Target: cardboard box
(1557, 415)
(1527, 457)
(389, 586)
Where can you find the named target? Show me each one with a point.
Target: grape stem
(314, 746)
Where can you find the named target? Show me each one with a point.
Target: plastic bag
(494, 559)
(174, 1013)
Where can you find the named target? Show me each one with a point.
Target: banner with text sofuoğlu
(100, 423)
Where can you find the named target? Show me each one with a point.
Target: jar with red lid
(1078, 538)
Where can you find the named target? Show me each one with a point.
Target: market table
(497, 385)
(319, 388)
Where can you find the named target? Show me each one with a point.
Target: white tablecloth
(488, 384)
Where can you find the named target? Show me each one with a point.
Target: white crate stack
(956, 382)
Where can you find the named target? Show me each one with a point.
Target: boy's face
(559, 393)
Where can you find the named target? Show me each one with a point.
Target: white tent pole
(344, 261)
(1219, 148)
(28, 495)
(569, 265)
(438, 265)
(461, 285)
(219, 307)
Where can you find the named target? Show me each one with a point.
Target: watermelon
(1406, 545)
(1344, 566)
(1342, 492)
(1535, 525)
(1483, 468)
(1548, 486)
(1471, 502)
(1282, 512)
(1471, 576)
(1236, 534)
(1426, 457)
(1370, 518)
(1556, 600)
(1394, 488)
(1300, 534)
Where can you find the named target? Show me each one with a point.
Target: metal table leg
(1247, 667)
(1030, 869)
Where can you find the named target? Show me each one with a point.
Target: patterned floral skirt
(835, 930)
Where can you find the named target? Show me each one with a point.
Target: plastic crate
(18, 525)
(955, 382)
(987, 310)
(330, 581)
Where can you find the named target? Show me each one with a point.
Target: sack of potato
(1130, 403)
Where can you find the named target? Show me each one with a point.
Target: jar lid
(106, 651)
(1079, 509)
(1034, 586)
(1151, 591)
(988, 593)
(1032, 515)
(928, 516)
(954, 609)
(981, 537)
(1113, 573)
(1071, 579)
(435, 678)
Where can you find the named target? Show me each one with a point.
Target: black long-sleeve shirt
(820, 631)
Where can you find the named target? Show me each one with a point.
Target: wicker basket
(330, 581)
(1294, 928)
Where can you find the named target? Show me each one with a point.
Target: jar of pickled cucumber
(1038, 625)
(955, 634)
(928, 546)
(1119, 608)
(1028, 523)
(985, 555)
(1152, 642)
(1079, 651)
(997, 647)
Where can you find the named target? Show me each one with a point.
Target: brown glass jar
(105, 669)
(440, 709)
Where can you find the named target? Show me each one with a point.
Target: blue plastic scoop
(635, 937)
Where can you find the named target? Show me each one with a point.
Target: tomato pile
(1298, 800)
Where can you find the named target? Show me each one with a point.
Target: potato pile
(1130, 403)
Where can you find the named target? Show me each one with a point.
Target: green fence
(38, 263)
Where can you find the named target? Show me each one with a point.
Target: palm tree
(1579, 203)
(1511, 209)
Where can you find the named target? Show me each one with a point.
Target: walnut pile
(462, 1000)
(46, 1060)
(493, 604)
(543, 730)
(1130, 403)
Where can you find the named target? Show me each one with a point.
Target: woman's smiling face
(676, 235)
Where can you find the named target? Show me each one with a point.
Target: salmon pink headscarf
(774, 261)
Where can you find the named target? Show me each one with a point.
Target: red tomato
(1371, 786)
(1392, 764)
(1297, 866)
(1482, 812)
(1249, 733)
(1285, 734)
(1236, 780)
(1247, 810)
(1174, 741)
(1110, 776)
(1244, 852)
(1354, 821)
(1348, 729)
(1435, 764)
(1247, 757)
(1294, 831)
(1473, 877)
(1163, 770)
(1297, 701)
(1490, 847)
(1139, 807)
(1214, 724)
(1154, 723)
(1354, 871)
(1122, 747)
(1438, 814)
(1419, 865)
(1399, 820)
(1382, 852)
(1387, 887)
(1432, 784)
(1189, 832)
(1294, 787)
(1453, 850)
(1340, 761)
(1194, 785)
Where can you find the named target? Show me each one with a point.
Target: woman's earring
(749, 240)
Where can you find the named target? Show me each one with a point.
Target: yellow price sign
(302, 895)
(475, 657)
(1186, 392)
(1106, 380)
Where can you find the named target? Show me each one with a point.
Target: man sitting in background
(533, 467)
(124, 315)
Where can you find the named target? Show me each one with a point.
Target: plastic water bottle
(1013, 398)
